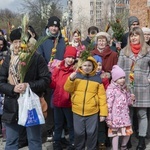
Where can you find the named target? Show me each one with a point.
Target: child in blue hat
(105, 76)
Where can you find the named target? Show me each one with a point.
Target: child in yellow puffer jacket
(88, 102)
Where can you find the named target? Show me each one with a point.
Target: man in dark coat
(55, 40)
(92, 31)
(133, 21)
(37, 76)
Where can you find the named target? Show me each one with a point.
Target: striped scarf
(13, 77)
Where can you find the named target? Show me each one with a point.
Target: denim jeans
(60, 114)
(102, 133)
(33, 135)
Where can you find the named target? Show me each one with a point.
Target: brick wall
(139, 9)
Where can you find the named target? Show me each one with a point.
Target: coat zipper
(85, 96)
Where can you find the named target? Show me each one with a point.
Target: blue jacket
(46, 47)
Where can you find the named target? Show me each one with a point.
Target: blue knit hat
(97, 58)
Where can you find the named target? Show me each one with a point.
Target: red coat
(109, 58)
(60, 97)
(105, 82)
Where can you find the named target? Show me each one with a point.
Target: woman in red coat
(109, 59)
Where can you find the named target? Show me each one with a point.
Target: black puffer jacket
(38, 78)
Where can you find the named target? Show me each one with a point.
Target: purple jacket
(118, 106)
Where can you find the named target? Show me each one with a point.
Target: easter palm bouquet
(85, 53)
(28, 48)
(131, 79)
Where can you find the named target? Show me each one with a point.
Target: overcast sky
(15, 5)
(10, 4)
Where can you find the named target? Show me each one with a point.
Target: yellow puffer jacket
(87, 93)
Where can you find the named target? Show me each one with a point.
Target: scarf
(52, 35)
(13, 77)
(135, 48)
(75, 44)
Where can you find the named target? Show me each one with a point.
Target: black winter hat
(53, 21)
(15, 34)
(131, 20)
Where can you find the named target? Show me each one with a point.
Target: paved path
(48, 145)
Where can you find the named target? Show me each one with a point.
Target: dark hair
(4, 42)
(15, 34)
(33, 31)
(92, 30)
(77, 31)
(2, 31)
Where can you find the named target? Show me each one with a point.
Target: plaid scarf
(13, 77)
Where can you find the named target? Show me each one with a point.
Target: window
(91, 3)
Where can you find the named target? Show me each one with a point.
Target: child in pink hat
(119, 99)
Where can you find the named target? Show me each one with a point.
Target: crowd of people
(93, 91)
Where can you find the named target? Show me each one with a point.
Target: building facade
(141, 9)
(86, 13)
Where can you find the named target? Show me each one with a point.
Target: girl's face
(16, 45)
(99, 67)
(1, 45)
(69, 61)
(87, 67)
(135, 39)
(76, 37)
(121, 81)
(101, 43)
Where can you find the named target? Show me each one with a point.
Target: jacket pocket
(9, 117)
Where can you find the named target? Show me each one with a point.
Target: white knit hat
(146, 30)
(103, 34)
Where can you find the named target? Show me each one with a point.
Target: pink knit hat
(117, 73)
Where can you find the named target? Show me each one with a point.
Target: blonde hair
(144, 46)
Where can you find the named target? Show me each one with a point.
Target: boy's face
(99, 67)
(92, 34)
(87, 67)
(69, 61)
(54, 30)
(134, 24)
(16, 45)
